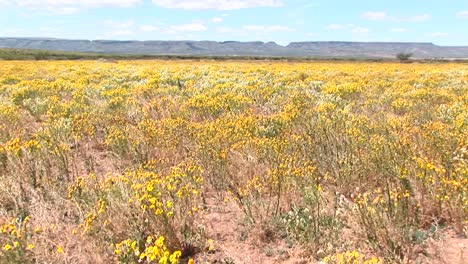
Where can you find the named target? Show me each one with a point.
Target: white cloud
(83, 3)
(48, 29)
(267, 29)
(416, 18)
(121, 32)
(190, 27)
(353, 28)
(462, 14)
(397, 30)
(223, 30)
(66, 7)
(117, 33)
(335, 26)
(383, 16)
(118, 24)
(149, 28)
(436, 34)
(217, 4)
(253, 30)
(375, 15)
(65, 10)
(216, 20)
(13, 32)
(360, 30)
(195, 26)
(115, 29)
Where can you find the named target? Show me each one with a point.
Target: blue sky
(283, 21)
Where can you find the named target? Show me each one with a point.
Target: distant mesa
(335, 49)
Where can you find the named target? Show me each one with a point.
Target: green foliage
(402, 56)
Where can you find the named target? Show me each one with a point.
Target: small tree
(404, 56)
(41, 55)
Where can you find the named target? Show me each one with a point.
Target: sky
(282, 21)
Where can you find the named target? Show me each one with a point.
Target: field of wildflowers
(115, 162)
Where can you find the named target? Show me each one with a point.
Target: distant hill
(326, 49)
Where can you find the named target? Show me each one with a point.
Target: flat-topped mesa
(293, 44)
(370, 49)
(333, 49)
(360, 45)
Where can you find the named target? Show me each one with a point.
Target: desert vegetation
(404, 56)
(137, 161)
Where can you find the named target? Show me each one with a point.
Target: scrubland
(151, 161)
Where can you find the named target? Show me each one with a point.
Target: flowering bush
(128, 156)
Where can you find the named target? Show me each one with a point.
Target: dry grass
(233, 162)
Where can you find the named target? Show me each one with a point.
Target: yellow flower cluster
(15, 239)
(154, 251)
(159, 194)
(136, 147)
(351, 257)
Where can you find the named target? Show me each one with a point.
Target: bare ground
(235, 243)
(232, 244)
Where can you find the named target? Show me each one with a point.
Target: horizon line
(240, 41)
